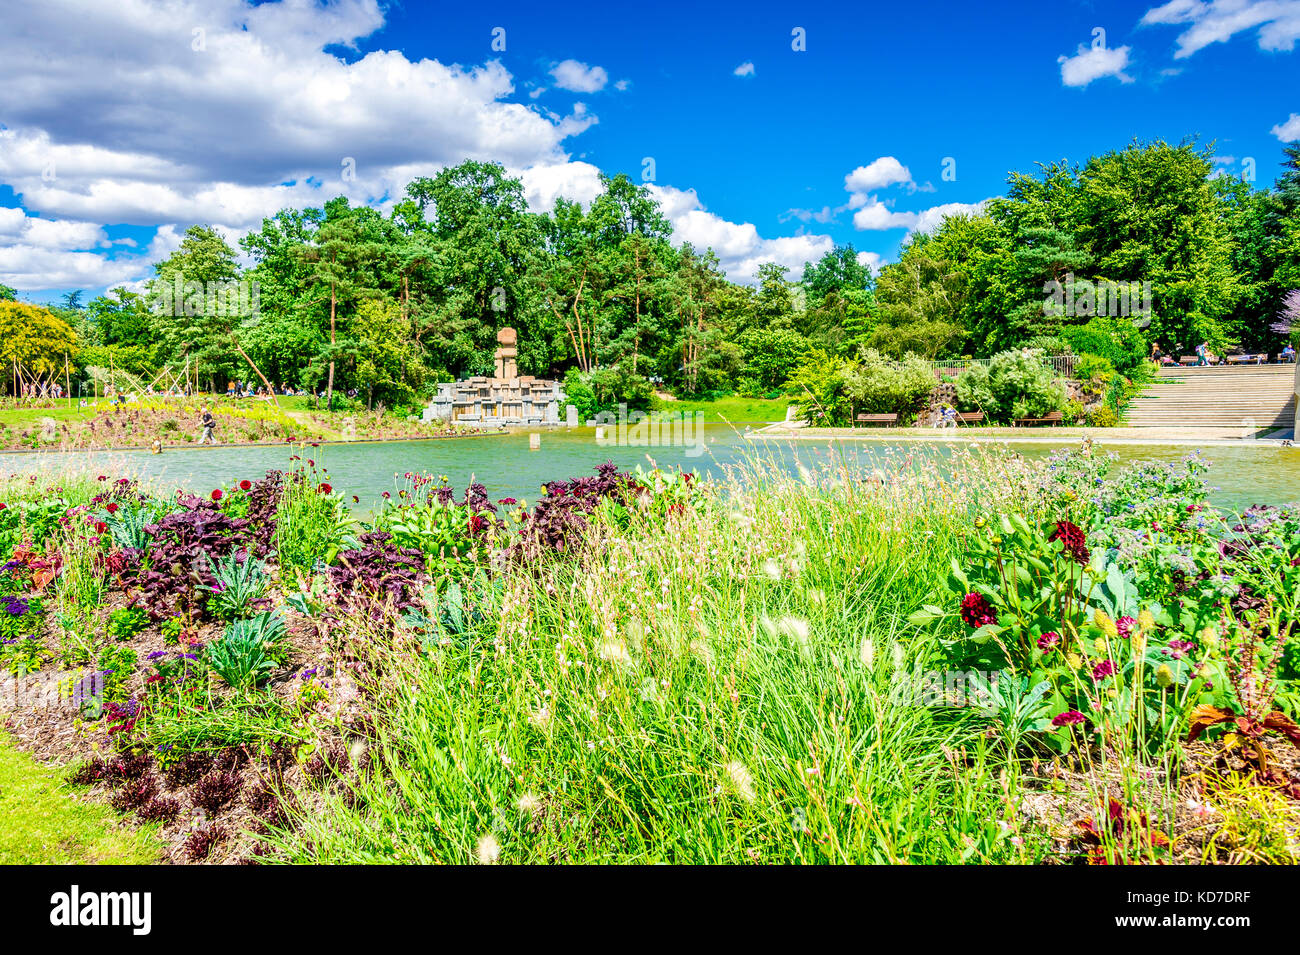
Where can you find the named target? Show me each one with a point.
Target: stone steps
(1249, 396)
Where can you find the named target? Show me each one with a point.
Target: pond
(1249, 473)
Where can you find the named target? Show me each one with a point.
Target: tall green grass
(727, 686)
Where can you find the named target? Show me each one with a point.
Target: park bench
(1052, 417)
(886, 419)
(1246, 359)
(1187, 360)
(970, 417)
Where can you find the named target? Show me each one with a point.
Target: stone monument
(506, 354)
(507, 398)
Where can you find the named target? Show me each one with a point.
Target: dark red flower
(1102, 670)
(100, 527)
(245, 485)
(326, 489)
(975, 610)
(1124, 626)
(3, 506)
(1073, 540)
(1049, 641)
(216, 494)
(111, 508)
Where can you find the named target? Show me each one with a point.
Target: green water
(1243, 474)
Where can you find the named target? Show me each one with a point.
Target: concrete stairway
(1260, 396)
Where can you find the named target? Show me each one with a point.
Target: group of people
(1206, 357)
(246, 389)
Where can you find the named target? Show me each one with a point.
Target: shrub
(1015, 384)
(878, 385)
(579, 393)
(178, 558)
(135, 793)
(1094, 371)
(818, 387)
(1102, 416)
(378, 576)
(558, 522)
(1116, 340)
(447, 532)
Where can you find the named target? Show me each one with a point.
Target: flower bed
(1052, 661)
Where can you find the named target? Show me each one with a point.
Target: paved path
(1198, 437)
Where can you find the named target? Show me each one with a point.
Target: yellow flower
(1074, 660)
(1164, 676)
(1146, 621)
(1099, 645)
(1105, 624)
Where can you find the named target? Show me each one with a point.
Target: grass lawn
(31, 417)
(735, 410)
(41, 822)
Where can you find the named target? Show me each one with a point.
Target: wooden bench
(1246, 359)
(970, 417)
(886, 419)
(1052, 417)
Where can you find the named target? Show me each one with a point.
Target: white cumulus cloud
(1277, 22)
(882, 172)
(577, 77)
(1288, 131)
(1092, 63)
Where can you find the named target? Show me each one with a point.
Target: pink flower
(1102, 670)
(1049, 641)
(1068, 718)
(1125, 626)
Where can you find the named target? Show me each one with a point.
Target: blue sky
(125, 123)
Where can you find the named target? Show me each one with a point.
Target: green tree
(33, 341)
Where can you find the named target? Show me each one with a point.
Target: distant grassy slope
(735, 410)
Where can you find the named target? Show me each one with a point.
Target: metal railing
(1062, 365)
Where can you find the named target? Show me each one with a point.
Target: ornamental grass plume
(740, 780)
(487, 851)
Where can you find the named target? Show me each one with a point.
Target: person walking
(207, 427)
(1201, 355)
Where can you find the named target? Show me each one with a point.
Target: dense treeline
(347, 299)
